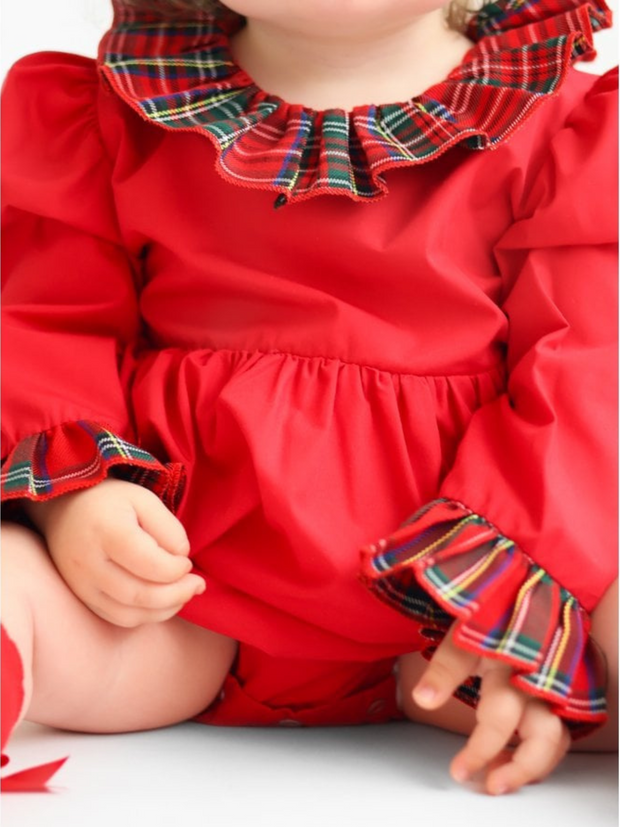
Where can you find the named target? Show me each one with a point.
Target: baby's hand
(502, 711)
(120, 550)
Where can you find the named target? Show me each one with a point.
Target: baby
(279, 275)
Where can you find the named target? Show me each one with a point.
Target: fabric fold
(449, 565)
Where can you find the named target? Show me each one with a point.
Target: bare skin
(106, 652)
(371, 51)
(426, 689)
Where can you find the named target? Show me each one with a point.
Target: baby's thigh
(91, 676)
(604, 631)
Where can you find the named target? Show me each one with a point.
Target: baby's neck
(339, 72)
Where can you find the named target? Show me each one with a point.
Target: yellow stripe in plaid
(566, 634)
(119, 444)
(505, 644)
(188, 108)
(460, 586)
(443, 540)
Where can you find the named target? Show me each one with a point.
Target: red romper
(299, 328)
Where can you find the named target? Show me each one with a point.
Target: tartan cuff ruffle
(78, 455)
(449, 563)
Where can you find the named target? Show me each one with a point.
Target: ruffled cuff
(79, 455)
(447, 562)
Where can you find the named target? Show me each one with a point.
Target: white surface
(388, 775)
(77, 25)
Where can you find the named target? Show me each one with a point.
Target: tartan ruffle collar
(180, 74)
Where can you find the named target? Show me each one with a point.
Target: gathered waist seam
(498, 368)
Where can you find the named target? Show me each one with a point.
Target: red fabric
(325, 369)
(34, 779)
(265, 691)
(12, 689)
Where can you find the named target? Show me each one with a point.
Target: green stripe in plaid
(449, 563)
(78, 455)
(499, 17)
(181, 75)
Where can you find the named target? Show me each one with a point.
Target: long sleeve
(70, 304)
(520, 544)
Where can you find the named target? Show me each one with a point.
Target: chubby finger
(499, 712)
(124, 588)
(545, 741)
(449, 667)
(160, 523)
(140, 555)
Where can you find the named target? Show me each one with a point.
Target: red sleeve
(70, 305)
(522, 543)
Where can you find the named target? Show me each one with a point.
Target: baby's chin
(345, 19)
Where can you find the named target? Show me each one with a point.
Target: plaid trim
(448, 562)
(181, 76)
(78, 455)
(501, 16)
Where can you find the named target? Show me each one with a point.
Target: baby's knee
(29, 577)
(604, 627)
(604, 631)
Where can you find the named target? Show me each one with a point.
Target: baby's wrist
(39, 512)
(42, 512)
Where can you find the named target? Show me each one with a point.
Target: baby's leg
(82, 673)
(605, 632)
(457, 717)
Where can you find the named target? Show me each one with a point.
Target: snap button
(376, 707)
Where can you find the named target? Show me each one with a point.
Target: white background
(77, 25)
(395, 775)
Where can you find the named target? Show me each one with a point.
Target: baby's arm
(516, 550)
(120, 550)
(71, 323)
